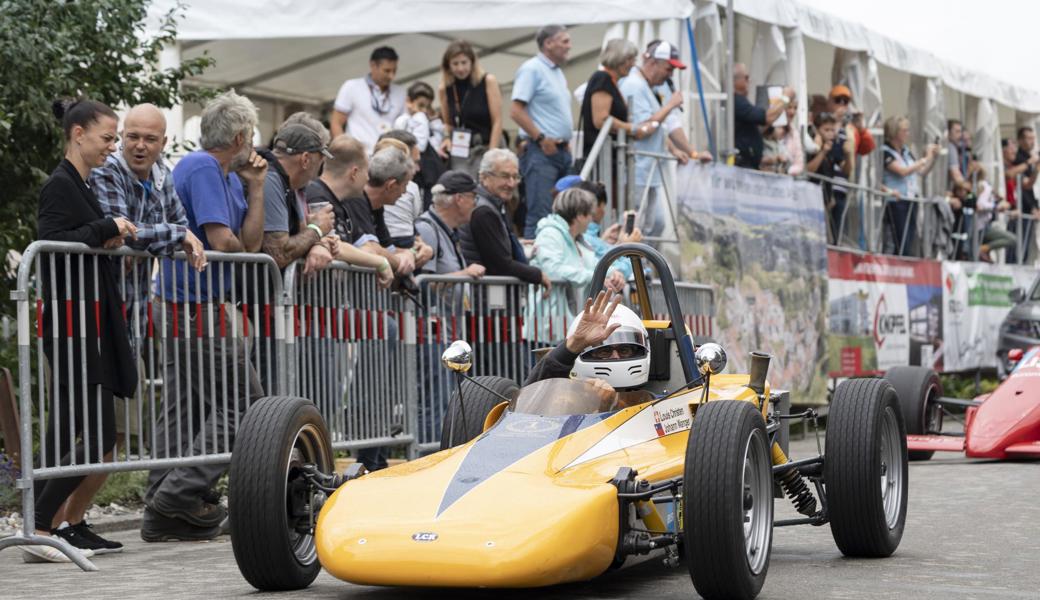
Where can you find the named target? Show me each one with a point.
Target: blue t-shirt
(208, 197)
(644, 102)
(541, 85)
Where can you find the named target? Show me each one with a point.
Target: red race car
(1001, 424)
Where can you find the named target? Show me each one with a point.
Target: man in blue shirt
(644, 91)
(208, 379)
(542, 109)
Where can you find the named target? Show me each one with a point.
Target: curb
(126, 522)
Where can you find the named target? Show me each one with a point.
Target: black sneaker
(156, 527)
(203, 515)
(76, 539)
(107, 546)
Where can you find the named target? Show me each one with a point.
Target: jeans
(540, 173)
(902, 218)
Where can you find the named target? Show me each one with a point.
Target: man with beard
(208, 382)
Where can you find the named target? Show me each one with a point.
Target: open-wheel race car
(1003, 424)
(558, 481)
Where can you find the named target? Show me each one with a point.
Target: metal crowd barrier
(194, 377)
(349, 349)
(698, 306)
(505, 319)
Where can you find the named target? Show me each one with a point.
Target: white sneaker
(49, 554)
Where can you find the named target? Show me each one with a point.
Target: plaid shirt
(158, 214)
(156, 211)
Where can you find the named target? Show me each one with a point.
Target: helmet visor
(623, 344)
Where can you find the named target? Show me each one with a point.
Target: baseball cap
(454, 182)
(567, 182)
(665, 51)
(296, 139)
(841, 91)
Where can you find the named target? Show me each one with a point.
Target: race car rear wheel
(918, 389)
(865, 468)
(465, 420)
(270, 503)
(727, 501)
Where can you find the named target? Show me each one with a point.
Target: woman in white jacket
(560, 253)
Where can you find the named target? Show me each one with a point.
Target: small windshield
(552, 397)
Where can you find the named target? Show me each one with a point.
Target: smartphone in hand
(630, 221)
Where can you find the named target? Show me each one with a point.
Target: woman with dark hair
(86, 377)
(471, 106)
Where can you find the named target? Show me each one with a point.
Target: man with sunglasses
(607, 344)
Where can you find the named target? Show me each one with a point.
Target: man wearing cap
(747, 137)
(291, 231)
(643, 86)
(454, 198)
(839, 102)
(542, 108)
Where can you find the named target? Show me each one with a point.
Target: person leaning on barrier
(103, 365)
(291, 230)
(454, 198)
(401, 215)
(134, 183)
(344, 176)
(207, 384)
(748, 118)
(489, 239)
(901, 179)
(1025, 157)
(389, 172)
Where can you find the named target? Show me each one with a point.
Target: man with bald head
(747, 137)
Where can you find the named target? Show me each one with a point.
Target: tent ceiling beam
(496, 49)
(310, 60)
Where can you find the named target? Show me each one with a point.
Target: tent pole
(170, 58)
(730, 20)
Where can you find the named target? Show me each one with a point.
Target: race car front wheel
(727, 501)
(918, 388)
(465, 417)
(865, 468)
(271, 505)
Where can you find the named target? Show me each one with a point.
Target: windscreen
(553, 397)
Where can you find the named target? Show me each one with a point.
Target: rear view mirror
(458, 356)
(1017, 295)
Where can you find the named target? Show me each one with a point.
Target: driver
(608, 346)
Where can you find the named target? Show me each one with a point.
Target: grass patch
(125, 488)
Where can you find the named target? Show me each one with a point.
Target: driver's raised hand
(594, 323)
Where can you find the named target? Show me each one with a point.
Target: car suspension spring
(795, 488)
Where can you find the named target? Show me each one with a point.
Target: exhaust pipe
(758, 372)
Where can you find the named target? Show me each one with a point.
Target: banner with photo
(975, 302)
(882, 312)
(760, 241)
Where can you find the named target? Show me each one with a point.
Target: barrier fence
(206, 345)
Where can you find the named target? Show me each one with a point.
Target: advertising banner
(882, 312)
(975, 302)
(760, 241)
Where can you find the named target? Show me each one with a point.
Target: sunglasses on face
(617, 351)
(842, 100)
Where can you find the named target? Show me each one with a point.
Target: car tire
(464, 420)
(276, 437)
(917, 389)
(728, 459)
(865, 446)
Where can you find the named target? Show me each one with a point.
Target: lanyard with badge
(381, 102)
(461, 138)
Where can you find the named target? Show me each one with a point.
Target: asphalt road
(973, 531)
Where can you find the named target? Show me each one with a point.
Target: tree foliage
(100, 49)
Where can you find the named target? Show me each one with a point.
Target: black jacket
(486, 240)
(69, 212)
(557, 363)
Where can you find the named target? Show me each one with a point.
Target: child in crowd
(436, 130)
(415, 119)
(774, 153)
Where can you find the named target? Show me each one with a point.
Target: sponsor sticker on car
(424, 536)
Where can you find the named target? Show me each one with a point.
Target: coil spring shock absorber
(793, 484)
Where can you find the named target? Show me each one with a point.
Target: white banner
(975, 302)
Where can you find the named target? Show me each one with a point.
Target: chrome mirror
(711, 359)
(458, 356)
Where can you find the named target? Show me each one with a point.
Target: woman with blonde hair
(471, 106)
(900, 178)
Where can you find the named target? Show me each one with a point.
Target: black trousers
(86, 430)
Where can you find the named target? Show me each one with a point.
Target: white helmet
(629, 367)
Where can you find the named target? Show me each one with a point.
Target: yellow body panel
(549, 517)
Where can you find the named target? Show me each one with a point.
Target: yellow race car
(560, 481)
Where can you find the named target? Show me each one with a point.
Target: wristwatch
(538, 140)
